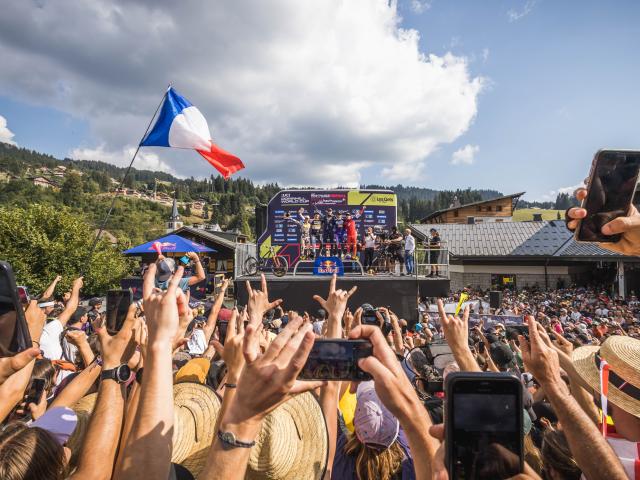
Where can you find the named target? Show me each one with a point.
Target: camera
(370, 317)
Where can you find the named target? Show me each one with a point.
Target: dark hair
(30, 454)
(556, 455)
(43, 368)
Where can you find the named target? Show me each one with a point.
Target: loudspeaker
(495, 299)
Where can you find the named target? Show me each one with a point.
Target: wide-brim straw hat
(293, 442)
(196, 408)
(83, 408)
(623, 356)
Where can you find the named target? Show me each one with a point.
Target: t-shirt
(50, 340)
(395, 246)
(184, 284)
(409, 244)
(344, 466)
(370, 241)
(197, 343)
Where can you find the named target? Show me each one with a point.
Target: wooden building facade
(487, 211)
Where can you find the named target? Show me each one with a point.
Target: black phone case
(474, 376)
(21, 338)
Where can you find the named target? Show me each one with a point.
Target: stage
(400, 293)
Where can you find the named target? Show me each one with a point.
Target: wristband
(230, 385)
(229, 440)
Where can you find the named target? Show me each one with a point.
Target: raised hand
(258, 302)
(161, 308)
(118, 349)
(11, 365)
(628, 226)
(539, 358)
(231, 351)
(335, 305)
(36, 319)
(562, 343)
(456, 329)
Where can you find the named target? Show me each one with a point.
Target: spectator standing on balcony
(434, 252)
(370, 241)
(409, 251)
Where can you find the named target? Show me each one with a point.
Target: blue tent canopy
(169, 244)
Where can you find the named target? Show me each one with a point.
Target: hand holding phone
(484, 426)
(609, 195)
(14, 331)
(118, 303)
(336, 359)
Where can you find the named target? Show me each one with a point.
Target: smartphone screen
(222, 331)
(14, 332)
(484, 426)
(118, 302)
(611, 188)
(23, 294)
(184, 260)
(336, 359)
(35, 391)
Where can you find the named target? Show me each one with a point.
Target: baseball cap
(166, 267)
(374, 425)
(59, 422)
(501, 354)
(224, 315)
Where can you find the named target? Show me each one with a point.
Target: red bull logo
(328, 266)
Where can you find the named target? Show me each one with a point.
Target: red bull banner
(328, 266)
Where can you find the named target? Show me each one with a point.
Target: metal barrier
(243, 251)
(431, 261)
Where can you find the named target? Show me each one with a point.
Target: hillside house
(496, 210)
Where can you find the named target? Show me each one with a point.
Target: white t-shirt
(409, 244)
(197, 344)
(50, 340)
(370, 241)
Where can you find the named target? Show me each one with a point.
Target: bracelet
(36, 342)
(230, 385)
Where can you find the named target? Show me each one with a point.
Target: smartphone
(14, 332)
(484, 425)
(369, 317)
(35, 391)
(612, 184)
(222, 331)
(336, 359)
(184, 260)
(118, 302)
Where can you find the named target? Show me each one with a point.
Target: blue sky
(559, 80)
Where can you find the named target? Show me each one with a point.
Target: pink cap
(373, 423)
(59, 422)
(224, 315)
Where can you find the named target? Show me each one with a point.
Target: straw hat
(293, 442)
(623, 356)
(83, 408)
(196, 408)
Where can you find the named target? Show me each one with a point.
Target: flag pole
(87, 261)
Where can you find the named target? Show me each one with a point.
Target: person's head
(30, 454)
(394, 229)
(166, 267)
(321, 314)
(369, 230)
(47, 305)
(502, 355)
(79, 317)
(301, 210)
(95, 303)
(43, 368)
(316, 216)
(329, 211)
(348, 215)
(407, 232)
(374, 443)
(433, 231)
(559, 463)
(307, 219)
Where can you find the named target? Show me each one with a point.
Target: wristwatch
(120, 374)
(229, 440)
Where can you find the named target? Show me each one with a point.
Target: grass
(526, 214)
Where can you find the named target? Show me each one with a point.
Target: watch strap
(229, 440)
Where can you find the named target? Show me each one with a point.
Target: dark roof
(481, 202)
(514, 239)
(208, 235)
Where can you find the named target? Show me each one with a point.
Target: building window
(498, 208)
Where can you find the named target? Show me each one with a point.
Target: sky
(512, 95)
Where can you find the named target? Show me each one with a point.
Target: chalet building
(43, 182)
(496, 210)
(529, 254)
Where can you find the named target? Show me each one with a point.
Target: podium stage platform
(398, 293)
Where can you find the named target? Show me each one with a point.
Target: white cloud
(420, 6)
(6, 135)
(145, 160)
(465, 155)
(295, 100)
(554, 193)
(515, 15)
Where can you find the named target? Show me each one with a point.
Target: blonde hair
(532, 455)
(373, 463)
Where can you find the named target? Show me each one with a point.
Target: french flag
(181, 125)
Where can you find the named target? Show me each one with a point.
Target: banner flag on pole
(181, 125)
(463, 298)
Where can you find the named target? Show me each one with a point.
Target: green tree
(187, 210)
(205, 212)
(72, 189)
(42, 241)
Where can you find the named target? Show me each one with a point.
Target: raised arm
(51, 288)
(147, 452)
(99, 448)
(335, 305)
(200, 275)
(456, 332)
(72, 304)
(591, 451)
(210, 326)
